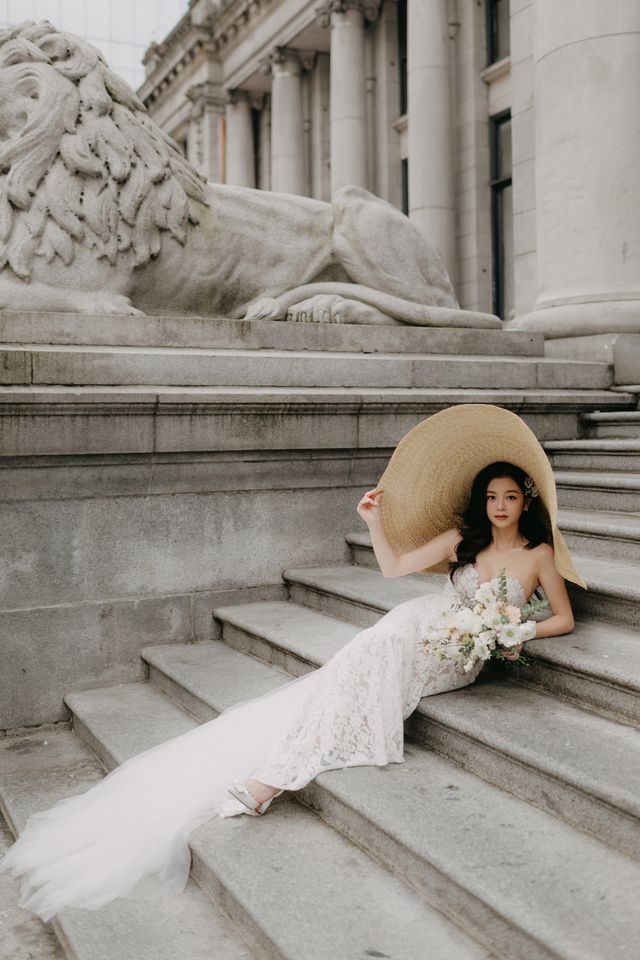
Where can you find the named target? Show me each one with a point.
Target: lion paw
(104, 301)
(318, 309)
(266, 309)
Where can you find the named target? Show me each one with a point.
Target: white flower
(527, 630)
(509, 636)
(481, 650)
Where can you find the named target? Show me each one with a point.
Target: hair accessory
(530, 487)
(427, 482)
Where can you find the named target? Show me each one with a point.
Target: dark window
(497, 30)
(402, 54)
(405, 186)
(502, 215)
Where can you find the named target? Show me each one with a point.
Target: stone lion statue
(100, 213)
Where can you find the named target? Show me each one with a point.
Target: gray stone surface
(592, 490)
(528, 884)
(36, 772)
(22, 935)
(296, 862)
(223, 333)
(600, 533)
(120, 366)
(594, 454)
(625, 423)
(85, 420)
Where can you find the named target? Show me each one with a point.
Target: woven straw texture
(428, 479)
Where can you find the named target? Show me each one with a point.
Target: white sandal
(240, 792)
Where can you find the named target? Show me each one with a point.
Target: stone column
(288, 169)
(265, 146)
(587, 150)
(205, 134)
(348, 88)
(240, 148)
(431, 165)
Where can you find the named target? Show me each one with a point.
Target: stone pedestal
(431, 166)
(240, 149)
(587, 136)
(288, 170)
(348, 89)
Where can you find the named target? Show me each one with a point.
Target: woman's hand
(369, 508)
(511, 653)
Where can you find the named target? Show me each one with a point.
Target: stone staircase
(511, 830)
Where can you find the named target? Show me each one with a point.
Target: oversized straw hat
(428, 480)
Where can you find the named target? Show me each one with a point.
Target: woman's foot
(251, 797)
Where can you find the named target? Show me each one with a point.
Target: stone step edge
(595, 584)
(319, 787)
(204, 871)
(232, 614)
(589, 798)
(70, 925)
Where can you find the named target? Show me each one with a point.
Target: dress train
(128, 834)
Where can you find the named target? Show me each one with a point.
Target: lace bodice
(467, 582)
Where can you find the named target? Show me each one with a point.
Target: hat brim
(428, 479)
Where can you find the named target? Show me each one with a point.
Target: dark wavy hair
(475, 526)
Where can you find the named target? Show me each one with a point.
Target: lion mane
(87, 165)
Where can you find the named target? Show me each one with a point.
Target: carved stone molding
(239, 96)
(301, 59)
(368, 8)
(206, 96)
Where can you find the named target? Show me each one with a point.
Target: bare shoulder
(544, 556)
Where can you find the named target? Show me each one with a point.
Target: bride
(463, 502)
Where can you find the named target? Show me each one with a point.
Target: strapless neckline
(493, 580)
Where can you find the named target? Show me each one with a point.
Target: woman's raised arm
(397, 565)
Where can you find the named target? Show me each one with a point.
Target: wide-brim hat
(427, 482)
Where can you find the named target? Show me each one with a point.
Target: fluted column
(240, 148)
(431, 166)
(587, 151)
(288, 168)
(348, 88)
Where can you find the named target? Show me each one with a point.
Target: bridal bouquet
(485, 627)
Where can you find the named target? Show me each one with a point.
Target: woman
(134, 825)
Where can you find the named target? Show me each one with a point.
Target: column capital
(324, 12)
(289, 59)
(206, 97)
(238, 96)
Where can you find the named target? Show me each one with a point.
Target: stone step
(361, 594)
(142, 419)
(40, 769)
(298, 888)
(624, 423)
(599, 490)
(191, 367)
(599, 533)
(509, 870)
(595, 454)
(223, 333)
(523, 740)
(597, 666)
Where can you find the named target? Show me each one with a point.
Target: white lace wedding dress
(127, 835)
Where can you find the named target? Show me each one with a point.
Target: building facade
(508, 131)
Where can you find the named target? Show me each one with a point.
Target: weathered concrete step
(224, 333)
(595, 454)
(519, 877)
(608, 534)
(611, 425)
(613, 585)
(571, 762)
(37, 771)
(599, 490)
(597, 666)
(300, 890)
(137, 419)
(283, 368)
